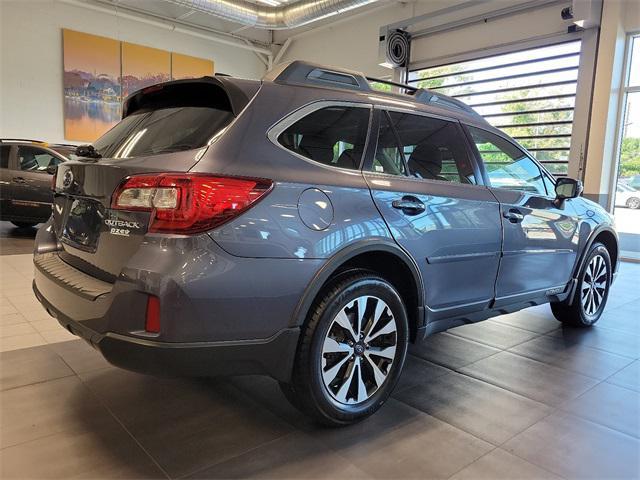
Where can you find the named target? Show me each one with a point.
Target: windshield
(164, 130)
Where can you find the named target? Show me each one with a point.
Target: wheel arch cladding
(609, 239)
(386, 260)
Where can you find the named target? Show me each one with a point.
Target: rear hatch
(165, 128)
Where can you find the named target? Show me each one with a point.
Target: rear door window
(389, 157)
(422, 147)
(333, 136)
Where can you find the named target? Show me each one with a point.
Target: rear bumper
(271, 356)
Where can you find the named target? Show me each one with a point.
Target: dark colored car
(308, 227)
(26, 168)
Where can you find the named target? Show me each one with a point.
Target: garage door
(530, 94)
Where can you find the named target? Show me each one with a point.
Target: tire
(334, 379)
(24, 224)
(585, 309)
(633, 203)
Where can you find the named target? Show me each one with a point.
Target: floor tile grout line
(119, 422)
(572, 371)
(450, 333)
(602, 349)
(473, 461)
(233, 457)
(38, 382)
(504, 349)
(516, 393)
(505, 389)
(7, 447)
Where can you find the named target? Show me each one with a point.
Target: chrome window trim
(281, 125)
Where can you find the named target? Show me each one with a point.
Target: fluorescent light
(273, 3)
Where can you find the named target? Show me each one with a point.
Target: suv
(308, 227)
(26, 167)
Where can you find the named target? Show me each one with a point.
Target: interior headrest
(348, 159)
(318, 147)
(426, 160)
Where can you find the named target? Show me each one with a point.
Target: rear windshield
(167, 120)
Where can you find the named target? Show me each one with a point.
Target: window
(389, 158)
(168, 118)
(430, 148)
(530, 94)
(332, 136)
(4, 156)
(626, 207)
(507, 166)
(35, 159)
(164, 130)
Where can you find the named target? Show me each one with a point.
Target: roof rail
(305, 73)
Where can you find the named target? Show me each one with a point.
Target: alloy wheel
(633, 203)
(594, 285)
(359, 349)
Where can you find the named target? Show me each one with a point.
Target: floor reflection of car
(627, 196)
(26, 168)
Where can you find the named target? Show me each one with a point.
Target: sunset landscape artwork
(91, 85)
(185, 66)
(143, 66)
(100, 72)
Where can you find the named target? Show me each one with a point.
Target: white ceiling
(160, 9)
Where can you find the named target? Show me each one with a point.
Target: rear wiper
(87, 151)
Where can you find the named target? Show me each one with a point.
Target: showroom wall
(619, 18)
(335, 42)
(31, 99)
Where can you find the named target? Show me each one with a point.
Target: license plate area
(82, 224)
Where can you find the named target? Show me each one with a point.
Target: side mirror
(51, 169)
(567, 188)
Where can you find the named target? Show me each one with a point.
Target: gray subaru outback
(308, 227)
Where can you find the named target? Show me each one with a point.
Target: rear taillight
(188, 203)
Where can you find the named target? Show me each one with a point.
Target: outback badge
(121, 227)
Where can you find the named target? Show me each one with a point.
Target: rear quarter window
(333, 136)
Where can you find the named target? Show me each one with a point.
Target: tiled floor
(14, 240)
(516, 397)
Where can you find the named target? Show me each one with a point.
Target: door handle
(409, 205)
(19, 180)
(513, 215)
